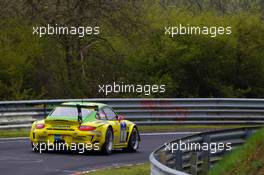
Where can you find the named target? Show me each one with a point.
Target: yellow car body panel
(70, 133)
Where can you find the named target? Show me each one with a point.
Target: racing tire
(133, 142)
(108, 145)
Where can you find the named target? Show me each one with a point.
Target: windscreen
(70, 112)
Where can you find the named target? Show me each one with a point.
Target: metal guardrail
(186, 162)
(148, 111)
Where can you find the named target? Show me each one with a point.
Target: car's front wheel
(133, 143)
(108, 145)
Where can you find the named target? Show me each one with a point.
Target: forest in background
(131, 48)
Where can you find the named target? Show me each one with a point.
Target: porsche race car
(95, 124)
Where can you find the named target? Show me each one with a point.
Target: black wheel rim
(109, 142)
(134, 140)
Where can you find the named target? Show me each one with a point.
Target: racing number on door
(123, 132)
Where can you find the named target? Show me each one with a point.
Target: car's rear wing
(79, 107)
(95, 107)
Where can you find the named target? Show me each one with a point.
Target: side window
(110, 114)
(101, 115)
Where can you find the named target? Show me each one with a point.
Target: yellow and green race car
(84, 126)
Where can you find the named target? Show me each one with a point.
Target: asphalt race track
(16, 157)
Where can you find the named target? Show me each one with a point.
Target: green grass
(248, 159)
(14, 133)
(142, 169)
(169, 128)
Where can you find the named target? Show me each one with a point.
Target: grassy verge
(246, 160)
(154, 128)
(14, 133)
(169, 128)
(142, 169)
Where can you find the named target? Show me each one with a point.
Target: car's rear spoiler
(79, 107)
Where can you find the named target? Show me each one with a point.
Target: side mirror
(120, 118)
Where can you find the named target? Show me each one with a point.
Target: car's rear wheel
(133, 143)
(108, 145)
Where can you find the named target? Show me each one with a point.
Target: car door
(118, 127)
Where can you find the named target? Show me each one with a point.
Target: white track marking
(14, 138)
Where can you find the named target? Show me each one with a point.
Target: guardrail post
(206, 156)
(45, 109)
(248, 133)
(178, 159)
(194, 162)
